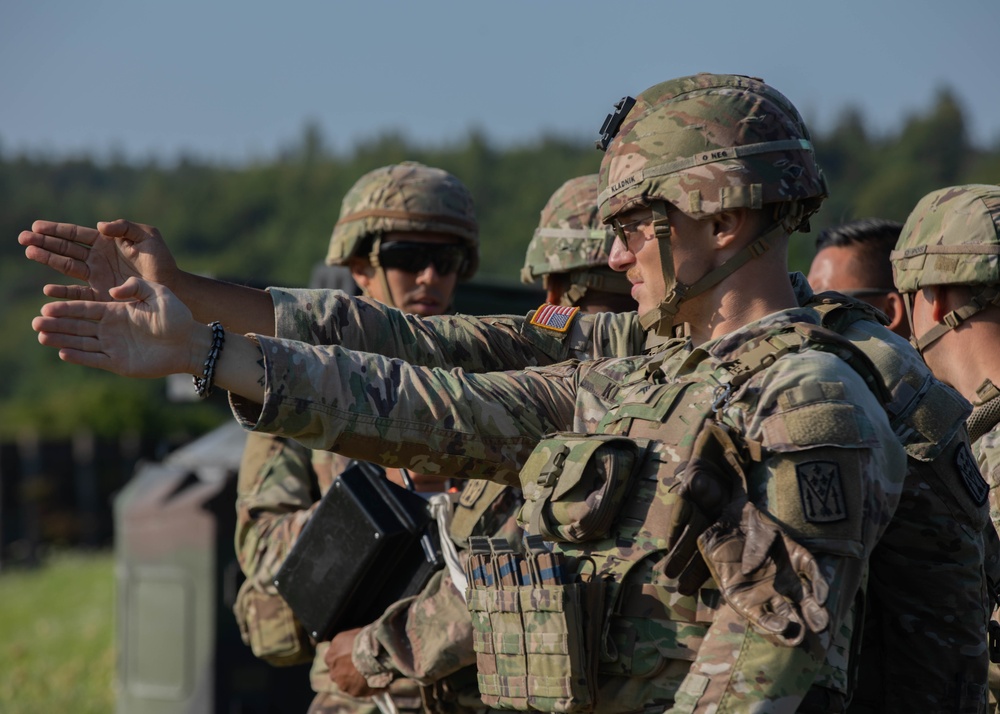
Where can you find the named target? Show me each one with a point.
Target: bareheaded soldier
(407, 232)
(947, 265)
(745, 414)
(569, 252)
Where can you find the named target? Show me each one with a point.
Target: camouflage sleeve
(425, 638)
(475, 344)
(276, 492)
(830, 473)
(389, 412)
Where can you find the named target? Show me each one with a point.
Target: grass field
(56, 636)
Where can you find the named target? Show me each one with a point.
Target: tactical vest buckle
(551, 471)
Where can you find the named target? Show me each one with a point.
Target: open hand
(146, 331)
(102, 258)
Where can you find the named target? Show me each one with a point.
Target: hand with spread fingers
(771, 580)
(145, 332)
(103, 258)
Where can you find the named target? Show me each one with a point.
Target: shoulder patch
(554, 317)
(471, 492)
(821, 492)
(973, 479)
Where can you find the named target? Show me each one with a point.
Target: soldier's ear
(362, 272)
(731, 227)
(896, 312)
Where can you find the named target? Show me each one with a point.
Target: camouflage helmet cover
(952, 237)
(405, 197)
(570, 235)
(707, 143)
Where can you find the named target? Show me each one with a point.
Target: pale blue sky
(235, 80)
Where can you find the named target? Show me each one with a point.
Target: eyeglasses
(622, 230)
(414, 257)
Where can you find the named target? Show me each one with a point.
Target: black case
(369, 544)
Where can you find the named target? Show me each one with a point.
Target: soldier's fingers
(64, 326)
(66, 341)
(98, 360)
(693, 576)
(83, 310)
(70, 267)
(808, 570)
(69, 292)
(66, 231)
(684, 549)
(54, 244)
(782, 621)
(122, 228)
(815, 615)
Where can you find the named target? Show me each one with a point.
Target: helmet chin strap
(988, 295)
(380, 273)
(661, 318)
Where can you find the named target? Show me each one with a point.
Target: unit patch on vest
(554, 317)
(821, 492)
(974, 482)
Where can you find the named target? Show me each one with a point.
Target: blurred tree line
(269, 222)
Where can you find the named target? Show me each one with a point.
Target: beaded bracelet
(203, 384)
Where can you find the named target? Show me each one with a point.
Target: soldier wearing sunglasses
(406, 233)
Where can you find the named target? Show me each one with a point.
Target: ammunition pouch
(574, 484)
(536, 644)
(269, 628)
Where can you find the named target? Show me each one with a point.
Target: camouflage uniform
(937, 515)
(928, 565)
(952, 237)
(280, 482)
(571, 240)
(494, 440)
(807, 410)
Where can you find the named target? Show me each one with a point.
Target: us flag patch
(554, 317)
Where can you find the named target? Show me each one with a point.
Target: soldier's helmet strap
(988, 295)
(380, 271)
(660, 318)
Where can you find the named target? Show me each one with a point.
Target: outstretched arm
(146, 332)
(357, 404)
(121, 249)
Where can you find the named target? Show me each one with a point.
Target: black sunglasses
(447, 258)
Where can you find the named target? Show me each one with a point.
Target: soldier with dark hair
(853, 259)
(405, 235)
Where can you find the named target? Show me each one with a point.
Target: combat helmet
(571, 240)
(404, 197)
(952, 237)
(705, 144)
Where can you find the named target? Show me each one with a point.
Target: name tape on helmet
(702, 158)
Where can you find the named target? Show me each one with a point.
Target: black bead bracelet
(203, 384)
